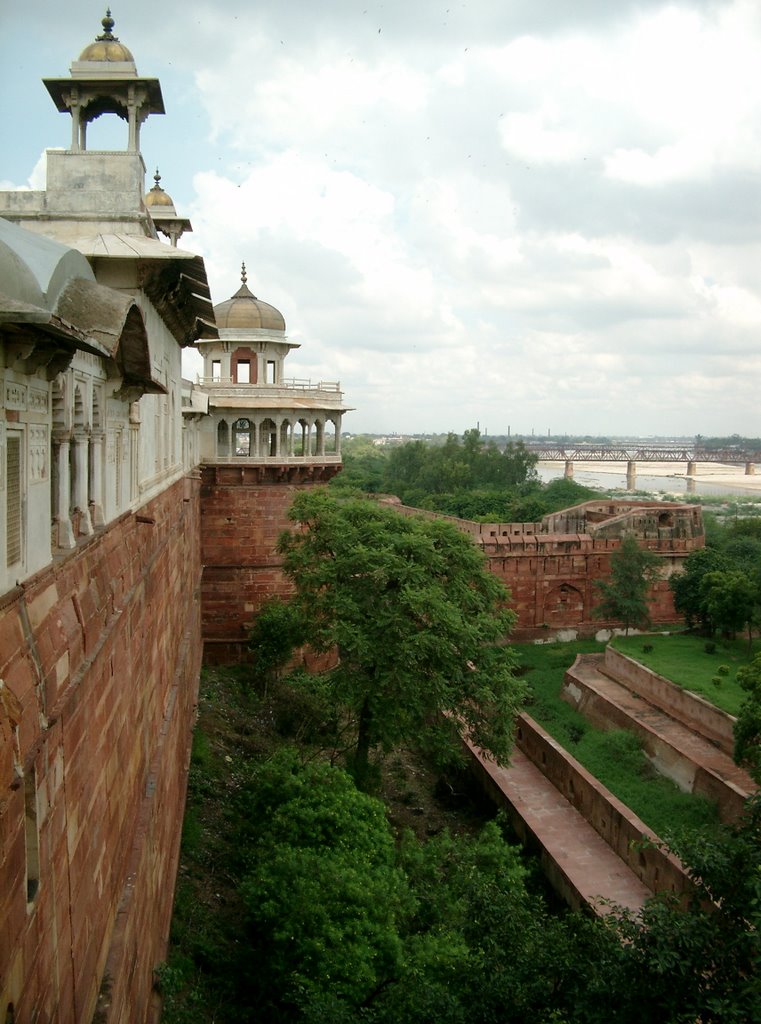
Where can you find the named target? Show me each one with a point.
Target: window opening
(271, 371)
(13, 499)
(216, 369)
(242, 437)
(243, 371)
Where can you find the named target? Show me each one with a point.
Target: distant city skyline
(537, 216)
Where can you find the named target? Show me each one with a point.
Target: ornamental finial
(157, 179)
(243, 275)
(108, 24)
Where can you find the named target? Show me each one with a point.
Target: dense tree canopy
(470, 478)
(418, 623)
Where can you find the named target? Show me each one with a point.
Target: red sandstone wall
(551, 576)
(100, 658)
(242, 516)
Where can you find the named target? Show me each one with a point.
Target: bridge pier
(568, 474)
(750, 468)
(631, 475)
(690, 485)
(692, 468)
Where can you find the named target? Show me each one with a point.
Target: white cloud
(534, 214)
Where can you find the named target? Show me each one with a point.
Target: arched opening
(242, 438)
(301, 445)
(331, 435)
(268, 439)
(563, 606)
(285, 438)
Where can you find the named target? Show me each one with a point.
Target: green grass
(616, 757)
(682, 658)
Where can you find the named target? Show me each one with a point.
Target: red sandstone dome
(245, 311)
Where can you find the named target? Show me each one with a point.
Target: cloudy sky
(535, 215)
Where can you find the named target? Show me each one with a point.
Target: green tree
(364, 465)
(321, 890)
(687, 587)
(748, 725)
(730, 599)
(700, 962)
(277, 631)
(624, 595)
(417, 621)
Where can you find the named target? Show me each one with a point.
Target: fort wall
(99, 660)
(552, 575)
(244, 509)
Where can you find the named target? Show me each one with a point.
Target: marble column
(64, 533)
(79, 498)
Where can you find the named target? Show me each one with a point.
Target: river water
(615, 479)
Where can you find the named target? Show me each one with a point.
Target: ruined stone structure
(551, 567)
(101, 635)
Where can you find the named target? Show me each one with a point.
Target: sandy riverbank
(713, 473)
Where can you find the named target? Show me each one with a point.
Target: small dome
(107, 45)
(245, 311)
(157, 197)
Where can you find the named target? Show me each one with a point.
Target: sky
(534, 216)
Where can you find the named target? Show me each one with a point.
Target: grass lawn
(682, 658)
(616, 757)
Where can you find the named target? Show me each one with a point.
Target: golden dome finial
(243, 275)
(108, 24)
(157, 179)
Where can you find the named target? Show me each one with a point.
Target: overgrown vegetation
(301, 899)
(615, 757)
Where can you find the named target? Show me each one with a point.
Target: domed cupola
(159, 200)
(244, 311)
(160, 206)
(105, 81)
(107, 46)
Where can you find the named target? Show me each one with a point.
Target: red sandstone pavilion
(138, 519)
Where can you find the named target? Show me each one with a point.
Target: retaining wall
(621, 829)
(686, 707)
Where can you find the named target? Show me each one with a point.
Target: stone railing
(226, 387)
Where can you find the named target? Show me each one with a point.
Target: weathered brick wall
(99, 658)
(552, 576)
(243, 512)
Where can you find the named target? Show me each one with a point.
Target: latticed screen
(13, 518)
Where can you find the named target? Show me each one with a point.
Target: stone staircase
(594, 850)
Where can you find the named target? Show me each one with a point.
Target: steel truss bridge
(554, 452)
